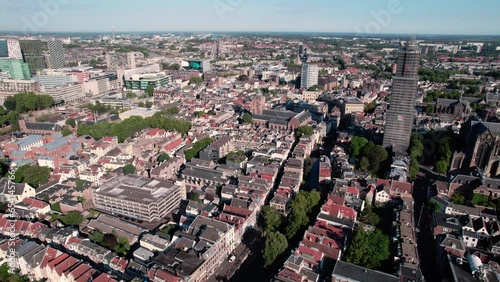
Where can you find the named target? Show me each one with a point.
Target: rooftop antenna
(113, 29)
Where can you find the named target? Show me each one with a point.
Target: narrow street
(425, 239)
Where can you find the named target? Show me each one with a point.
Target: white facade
(96, 86)
(14, 49)
(67, 93)
(131, 60)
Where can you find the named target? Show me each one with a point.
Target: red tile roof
(35, 203)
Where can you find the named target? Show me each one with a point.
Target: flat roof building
(139, 197)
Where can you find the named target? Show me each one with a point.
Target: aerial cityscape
(231, 140)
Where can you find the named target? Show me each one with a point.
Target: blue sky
(407, 16)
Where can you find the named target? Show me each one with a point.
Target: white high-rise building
(14, 49)
(10, 49)
(310, 74)
(131, 60)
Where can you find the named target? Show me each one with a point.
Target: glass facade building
(16, 68)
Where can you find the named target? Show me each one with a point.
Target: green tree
(375, 155)
(247, 118)
(480, 200)
(174, 66)
(34, 175)
(370, 108)
(196, 80)
(313, 88)
(71, 122)
(272, 219)
(122, 245)
(97, 237)
(56, 207)
(300, 208)
(163, 157)
(356, 144)
(129, 169)
(170, 229)
(458, 199)
(79, 183)
(73, 218)
(194, 196)
(131, 95)
(4, 167)
(364, 164)
(197, 147)
(369, 216)
(304, 130)
(66, 131)
(275, 245)
(149, 90)
(28, 101)
(172, 111)
(430, 109)
(368, 249)
(441, 166)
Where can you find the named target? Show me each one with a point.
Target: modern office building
(401, 113)
(139, 197)
(66, 93)
(16, 68)
(96, 86)
(32, 51)
(56, 54)
(10, 49)
(309, 75)
(13, 86)
(141, 82)
(53, 79)
(200, 65)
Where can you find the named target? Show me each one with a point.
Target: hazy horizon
(371, 17)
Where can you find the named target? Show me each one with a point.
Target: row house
(218, 149)
(103, 146)
(55, 265)
(34, 206)
(86, 248)
(15, 192)
(333, 209)
(218, 238)
(92, 174)
(167, 169)
(60, 147)
(325, 169)
(199, 177)
(280, 203)
(26, 144)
